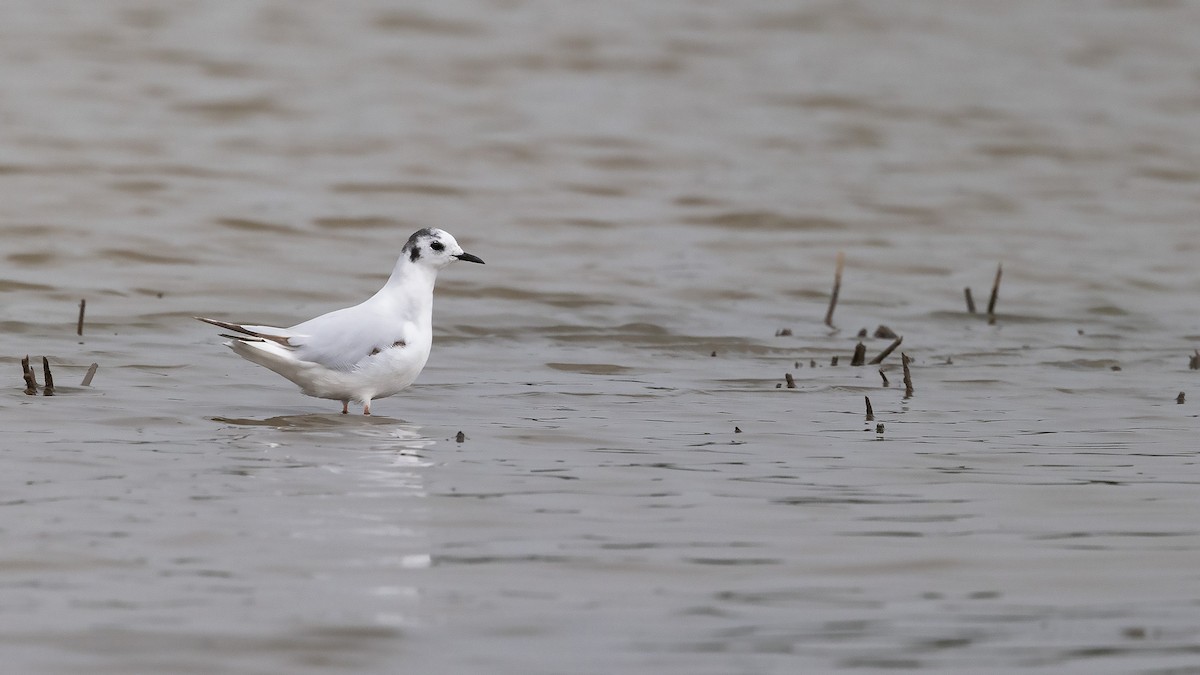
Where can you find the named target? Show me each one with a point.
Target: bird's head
(435, 248)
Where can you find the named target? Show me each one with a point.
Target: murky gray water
(651, 184)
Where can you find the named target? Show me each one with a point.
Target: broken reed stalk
(1194, 361)
(837, 288)
(995, 294)
(870, 412)
(48, 390)
(908, 389)
(87, 379)
(970, 300)
(885, 380)
(860, 355)
(885, 353)
(30, 382)
(79, 326)
(791, 381)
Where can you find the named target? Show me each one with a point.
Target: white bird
(371, 350)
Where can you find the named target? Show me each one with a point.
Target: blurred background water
(658, 189)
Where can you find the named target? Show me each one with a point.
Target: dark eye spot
(437, 246)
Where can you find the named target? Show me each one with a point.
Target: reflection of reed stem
(837, 288)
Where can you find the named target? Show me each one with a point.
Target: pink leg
(366, 407)
(345, 407)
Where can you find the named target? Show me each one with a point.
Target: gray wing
(341, 338)
(337, 340)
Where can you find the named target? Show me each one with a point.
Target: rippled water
(659, 189)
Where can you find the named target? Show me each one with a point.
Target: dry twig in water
(860, 355)
(48, 390)
(791, 381)
(887, 352)
(1194, 361)
(87, 379)
(837, 288)
(30, 382)
(995, 295)
(885, 380)
(79, 326)
(908, 390)
(870, 412)
(970, 300)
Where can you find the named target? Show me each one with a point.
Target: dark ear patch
(415, 253)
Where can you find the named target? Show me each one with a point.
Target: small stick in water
(87, 379)
(995, 294)
(870, 412)
(1179, 398)
(885, 380)
(837, 288)
(885, 353)
(48, 390)
(970, 300)
(860, 355)
(79, 326)
(1194, 362)
(30, 383)
(833, 361)
(791, 381)
(908, 390)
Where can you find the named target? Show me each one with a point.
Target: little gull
(371, 350)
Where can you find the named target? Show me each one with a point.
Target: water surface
(658, 189)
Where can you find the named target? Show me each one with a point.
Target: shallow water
(658, 189)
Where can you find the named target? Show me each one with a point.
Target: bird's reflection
(322, 421)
